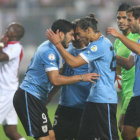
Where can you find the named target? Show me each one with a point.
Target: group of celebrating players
(81, 61)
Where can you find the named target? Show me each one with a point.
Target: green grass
(51, 110)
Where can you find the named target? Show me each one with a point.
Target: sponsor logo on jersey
(51, 57)
(94, 48)
(44, 128)
(52, 64)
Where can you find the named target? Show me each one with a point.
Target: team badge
(44, 128)
(94, 48)
(51, 57)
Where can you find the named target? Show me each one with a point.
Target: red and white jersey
(9, 69)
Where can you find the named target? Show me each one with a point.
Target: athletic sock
(22, 138)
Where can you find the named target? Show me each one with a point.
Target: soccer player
(10, 57)
(132, 116)
(72, 99)
(99, 116)
(121, 50)
(41, 75)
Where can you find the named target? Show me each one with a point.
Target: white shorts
(8, 114)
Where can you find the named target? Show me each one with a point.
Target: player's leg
(123, 110)
(51, 134)
(132, 119)
(129, 132)
(12, 133)
(33, 115)
(121, 122)
(9, 115)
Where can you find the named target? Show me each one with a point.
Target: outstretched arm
(70, 59)
(133, 46)
(126, 63)
(58, 80)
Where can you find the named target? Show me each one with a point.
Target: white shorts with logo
(8, 115)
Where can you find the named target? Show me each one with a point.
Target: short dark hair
(18, 29)
(88, 21)
(135, 11)
(63, 26)
(124, 7)
(74, 22)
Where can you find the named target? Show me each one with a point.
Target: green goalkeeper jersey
(127, 75)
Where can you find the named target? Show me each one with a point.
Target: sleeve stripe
(84, 57)
(51, 69)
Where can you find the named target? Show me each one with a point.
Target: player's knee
(128, 133)
(138, 132)
(51, 135)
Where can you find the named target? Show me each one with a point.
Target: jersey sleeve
(13, 51)
(93, 52)
(50, 60)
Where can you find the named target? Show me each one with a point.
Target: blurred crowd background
(38, 15)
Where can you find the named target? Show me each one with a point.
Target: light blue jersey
(136, 88)
(75, 95)
(101, 58)
(36, 81)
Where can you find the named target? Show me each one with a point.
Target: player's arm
(133, 46)
(57, 79)
(126, 63)
(3, 56)
(118, 69)
(54, 90)
(71, 60)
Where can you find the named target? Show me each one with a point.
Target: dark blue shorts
(99, 122)
(32, 114)
(66, 122)
(132, 116)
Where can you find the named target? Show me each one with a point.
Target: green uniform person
(127, 75)
(122, 50)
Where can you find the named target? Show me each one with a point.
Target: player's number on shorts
(44, 118)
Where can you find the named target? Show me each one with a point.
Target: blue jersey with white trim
(136, 88)
(36, 82)
(101, 58)
(75, 95)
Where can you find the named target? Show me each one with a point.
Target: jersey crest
(94, 48)
(51, 56)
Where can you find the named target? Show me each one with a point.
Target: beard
(64, 44)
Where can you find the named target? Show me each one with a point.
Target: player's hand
(112, 31)
(4, 39)
(90, 77)
(53, 37)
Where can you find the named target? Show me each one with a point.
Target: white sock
(22, 138)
